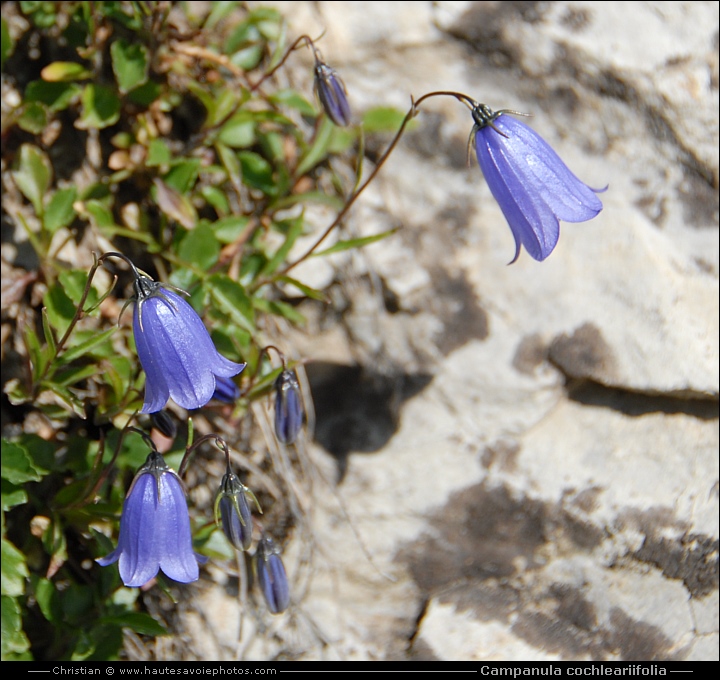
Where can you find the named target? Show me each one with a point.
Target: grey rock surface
(528, 454)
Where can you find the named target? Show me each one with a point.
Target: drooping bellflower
(331, 92)
(271, 576)
(155, 528)
(231, 507)
(175, 349)
(288, 407)
(533, 186)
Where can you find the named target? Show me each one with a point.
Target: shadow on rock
(356, 409)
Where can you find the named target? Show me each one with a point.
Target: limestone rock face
(527, 455)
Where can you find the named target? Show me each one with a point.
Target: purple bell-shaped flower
(155, 528)
(175, 349)
(534, 188)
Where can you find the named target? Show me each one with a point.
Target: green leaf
(183, 175)
(64, 71)
(77, 603)
(217, 199)
(42, 452)
(17, 466)
(100, 107)
(12, 495)
(130, 64)
(141, 623)
(56, 96)
(319, 148)
(74, 375)
(225, 102)
(60, 308)
(230, 162)
(200, 248)
(8, 44)
(269, 22)
(39, 355)
(44, 592)
(342, 139)
(33, 175)
(55, 544)
(279, 308)
(12, 639)
(257, 172)
(118, 373)
(158, 153)
(295, 228)
(245, 45)
(14, 570)
(49, 337)
(59, 211)
(294, 100)
(33, 118)
(383, 119)
(84, 647)
(263, 385)
(306, 290)
(99, 214)
(229, 229)
(231, 298)
(219, 12)
(355, 243)
(74, 282)
(146, 94)
(85, 347)
(239, 131)
(42, 13)
(69, 398)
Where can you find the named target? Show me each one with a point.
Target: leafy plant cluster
(143, 128)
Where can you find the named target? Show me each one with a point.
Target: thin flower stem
(308, 40)
(191, 449)
(254, 376)
(79, 312)
(280, 354)
(412, 112)
(95, 486)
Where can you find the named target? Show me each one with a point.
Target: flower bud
(288, 407)
(226, 390)
(271, 576)
(331, 93)
(233, 512)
